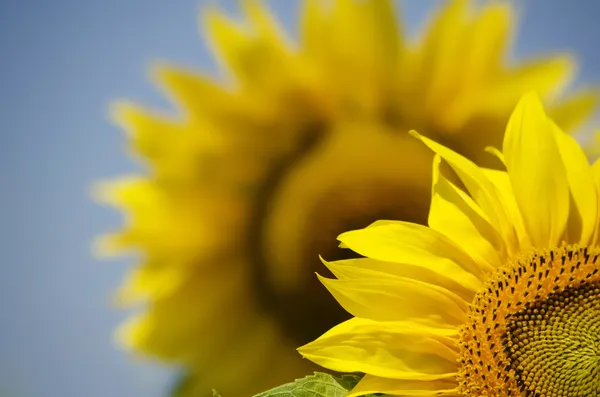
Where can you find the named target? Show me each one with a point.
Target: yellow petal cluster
(499, 296)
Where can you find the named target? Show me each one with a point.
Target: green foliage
(348, 381)
(317, 385)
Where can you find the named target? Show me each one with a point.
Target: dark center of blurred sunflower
(335, 181)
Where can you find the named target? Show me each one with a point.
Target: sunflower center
(554, 345)
(534, 330)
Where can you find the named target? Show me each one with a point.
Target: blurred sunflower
(262, 170)
(499, 296)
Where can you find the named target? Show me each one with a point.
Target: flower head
(293, 144)
(499, 296)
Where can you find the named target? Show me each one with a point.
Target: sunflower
(499, 296)
(261, 168)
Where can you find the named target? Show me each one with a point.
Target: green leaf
(348, 381)
(317, 385)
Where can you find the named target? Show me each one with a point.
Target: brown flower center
(554, 344)
(535, 329)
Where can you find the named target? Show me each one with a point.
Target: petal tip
(118, 111)
(531, 99)
(415, 134)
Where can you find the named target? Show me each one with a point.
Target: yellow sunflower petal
(146, 129)
(379, 40)
(266, 25)
(312, 26)
(399, 350)
(485, 43)
(438, 55)
(370, 384)
(169, 221)
(545, 76)
(369, 269)
(496, 153)
(202, 98)
(536, 172)
(229, 39)
(596, 175)
(355, 38)
(256, 60)
(394, 299)
(417, 245)
(454, 214)
(584, 200)
(482, 45)
(571, 112)
(501, 180)
(481, 189)
(151, 280)
(185, 338)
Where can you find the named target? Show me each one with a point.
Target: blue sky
(63, 61)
